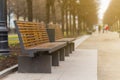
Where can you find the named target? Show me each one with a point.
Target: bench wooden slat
(34, 38)
(51, 47)
(34, 30)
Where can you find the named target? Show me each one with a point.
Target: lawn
(13, 39)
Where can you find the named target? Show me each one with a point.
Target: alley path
(108, 45)
(81, 63)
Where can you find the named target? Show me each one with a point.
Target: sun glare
(104, 4)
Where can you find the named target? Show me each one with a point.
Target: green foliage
(2, 57)
(13, 36)
(13, 40)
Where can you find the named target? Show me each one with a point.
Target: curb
(8, 71)
(78, 41)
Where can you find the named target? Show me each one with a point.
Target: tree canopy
(112, 14)
(74, 15)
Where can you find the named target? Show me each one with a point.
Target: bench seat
(68, 40)
(50, 47)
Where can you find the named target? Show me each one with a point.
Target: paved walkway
(81, 65)
(108, 45)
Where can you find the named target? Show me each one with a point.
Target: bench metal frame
(39, 60)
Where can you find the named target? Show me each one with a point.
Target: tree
(30, 11)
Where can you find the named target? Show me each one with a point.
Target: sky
(104, 4)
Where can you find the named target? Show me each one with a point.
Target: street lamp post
(3, 29)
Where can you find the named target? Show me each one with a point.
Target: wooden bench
(38, 53)
(55, 31)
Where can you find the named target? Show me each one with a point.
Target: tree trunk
(70, 22)
(63, 19)
(66, 16)
(74, 25)
(53, 14)
(30, 10)
(47, 12)
(79, 25)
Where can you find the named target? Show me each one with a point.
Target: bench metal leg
(62, 54)
(70, 48)
(73, 46)
(55, 58)
(39, 64)
(66, 51)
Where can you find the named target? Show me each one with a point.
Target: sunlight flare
(104, 4)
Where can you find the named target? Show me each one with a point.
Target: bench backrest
(31, 34)
(58, 31)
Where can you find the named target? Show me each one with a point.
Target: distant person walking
(106, 28)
